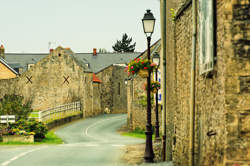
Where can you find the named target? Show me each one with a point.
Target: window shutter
(206, 15)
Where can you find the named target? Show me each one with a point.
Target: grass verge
(51, 138)
(137, 133)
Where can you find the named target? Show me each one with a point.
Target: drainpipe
(192, 87)
(164, 31)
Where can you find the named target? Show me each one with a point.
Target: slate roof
(7, 65)
(103, 60)
(23, 59)
(96, 63)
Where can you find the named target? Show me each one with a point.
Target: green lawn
(137, 133)
(51, 138)
(33, 115)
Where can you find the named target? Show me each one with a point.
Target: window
(17, 70)
(206, 18)
(30, 65)
(119, 88)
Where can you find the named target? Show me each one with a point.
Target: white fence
(58, 112)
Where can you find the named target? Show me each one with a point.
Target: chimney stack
(2, 52)
(94, 52)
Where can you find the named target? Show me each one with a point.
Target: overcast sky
(29, 25)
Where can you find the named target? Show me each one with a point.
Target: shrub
(14, 105)
(38, 129)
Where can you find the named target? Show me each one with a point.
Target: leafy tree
(124, 45)
(13, 105)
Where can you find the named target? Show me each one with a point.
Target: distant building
(6, 70)
(55, 77)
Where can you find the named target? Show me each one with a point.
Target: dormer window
(30, 66)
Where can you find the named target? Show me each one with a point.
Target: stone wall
(171, 70)
(119, 90)
(237, 82)
(56, 79)
(106, 88)
(221, 98)
(113, 90)
(137, 99)
(97, 100)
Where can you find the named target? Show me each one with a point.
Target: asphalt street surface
(89, 142)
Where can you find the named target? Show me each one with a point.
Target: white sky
(29, 25)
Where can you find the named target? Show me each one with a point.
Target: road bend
(88, 142)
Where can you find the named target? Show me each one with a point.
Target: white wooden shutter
(206, 15)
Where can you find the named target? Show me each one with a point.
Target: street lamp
(148, 22)
(156, 60)
(126, 81)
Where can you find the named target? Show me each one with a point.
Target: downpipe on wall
(192, 86)
(164, 112)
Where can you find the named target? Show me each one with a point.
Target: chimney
(94, 52)
(2, 52)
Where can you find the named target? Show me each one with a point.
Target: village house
(205, 45)
(137, 97)
(6, 71)
(62, 77)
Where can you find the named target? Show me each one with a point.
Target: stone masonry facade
(222, 98)
(137, 99)
(56, 79)
(113, 90)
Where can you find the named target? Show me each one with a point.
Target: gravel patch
(133, 156)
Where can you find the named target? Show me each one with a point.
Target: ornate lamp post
(148, 26)
(156, 60)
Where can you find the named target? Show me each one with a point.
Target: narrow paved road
(89, 142)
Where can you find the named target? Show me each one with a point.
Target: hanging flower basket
(154, 86)
(137, 65)
(154, 90)
(143, 73)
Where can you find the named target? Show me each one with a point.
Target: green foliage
(155, 85)
(137, 64)
(39, 128)
(143, 100)
(173, 14)
(137, 133)
(50, 138)
(124, 45)
(16, 131)
(13, 105)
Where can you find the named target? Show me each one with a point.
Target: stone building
(63, 76)
(220, 109)
(137, 97)
(109, 67)
(6, 71)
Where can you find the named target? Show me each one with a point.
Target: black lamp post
(156, 60)
(148, 26)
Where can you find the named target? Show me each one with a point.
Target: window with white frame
(30, 66)
(206, 20)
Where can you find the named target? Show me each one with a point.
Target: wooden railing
(58, 112)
